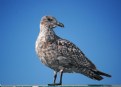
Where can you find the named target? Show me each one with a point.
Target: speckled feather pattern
(61, 54)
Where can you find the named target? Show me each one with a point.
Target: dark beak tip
(60, 24)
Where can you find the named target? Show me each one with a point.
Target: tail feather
(94, 74)
(97, 77)
(102, 73)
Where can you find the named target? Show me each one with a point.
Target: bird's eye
(50, 19)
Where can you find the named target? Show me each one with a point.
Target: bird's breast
(46, 50)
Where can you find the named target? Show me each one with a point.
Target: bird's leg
(55, 76)
(61, 75)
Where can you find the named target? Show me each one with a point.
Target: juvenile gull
(62, 55)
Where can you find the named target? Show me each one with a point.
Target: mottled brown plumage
(62, 55)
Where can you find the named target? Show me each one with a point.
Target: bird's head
(50, 22)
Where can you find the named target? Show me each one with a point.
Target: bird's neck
(46, 34)
(46, 31)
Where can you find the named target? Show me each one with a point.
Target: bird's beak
(60, 24)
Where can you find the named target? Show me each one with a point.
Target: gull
(62, 55)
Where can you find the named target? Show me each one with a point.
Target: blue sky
(93, 25)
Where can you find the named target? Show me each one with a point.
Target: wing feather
(72, 53)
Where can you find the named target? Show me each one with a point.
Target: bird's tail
(94, 74)
(102, 73)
